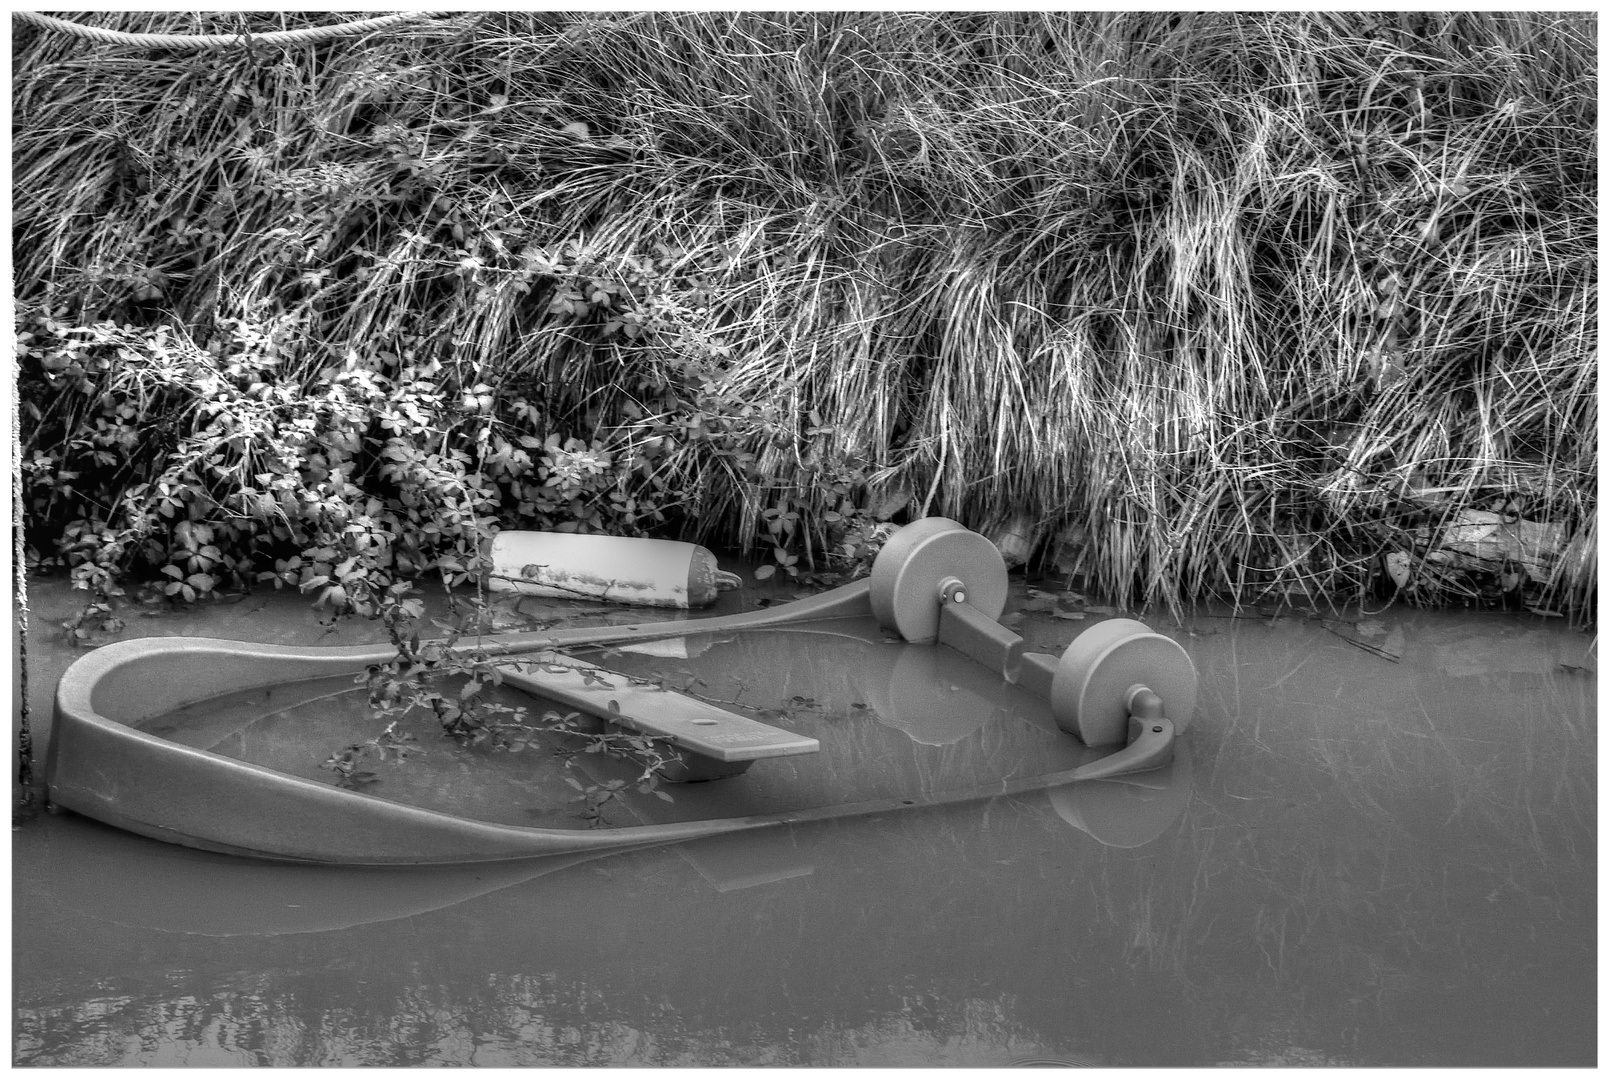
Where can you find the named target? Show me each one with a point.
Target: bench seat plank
(695, 727)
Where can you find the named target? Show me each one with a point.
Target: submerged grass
(1217, 304)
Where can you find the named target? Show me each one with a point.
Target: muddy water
(1376, 851)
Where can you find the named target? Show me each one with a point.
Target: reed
(1223, 304)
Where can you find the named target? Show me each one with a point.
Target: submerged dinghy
(185, 739)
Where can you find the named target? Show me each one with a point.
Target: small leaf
(764, 572)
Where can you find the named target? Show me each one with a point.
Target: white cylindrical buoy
(621, 569)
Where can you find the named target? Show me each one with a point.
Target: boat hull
(105, 764)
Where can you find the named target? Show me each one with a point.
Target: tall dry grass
(1228, 303)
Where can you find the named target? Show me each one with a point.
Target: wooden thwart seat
(712, 741)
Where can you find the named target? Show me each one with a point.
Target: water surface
(1356, 860)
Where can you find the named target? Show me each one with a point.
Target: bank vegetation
(1189, 305)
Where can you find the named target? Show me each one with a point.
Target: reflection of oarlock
(922, 694)
(1127, 811)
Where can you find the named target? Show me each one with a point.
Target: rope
(25, 738)
(303, 36)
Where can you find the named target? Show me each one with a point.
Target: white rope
(303, 35)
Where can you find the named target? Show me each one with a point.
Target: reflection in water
(177, 889)
(927, 697)
(520, 1021)
(1451, 816)
(1353, 861)
(532, 972)
(181, 890)
(1128, 811)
